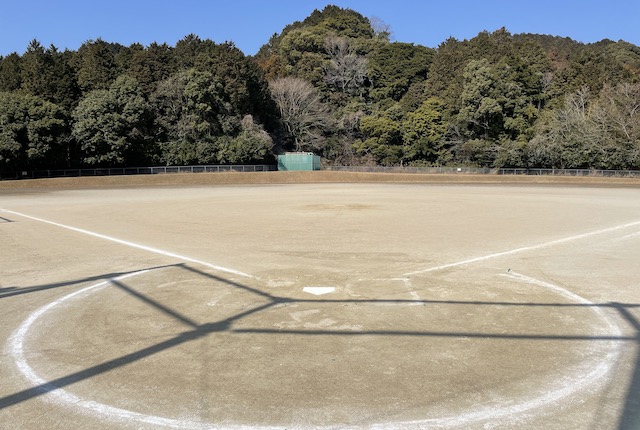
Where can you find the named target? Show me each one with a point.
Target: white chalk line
(62, 397)
(133, 245)
(413, 293)
(581, 381)
(567, 385)
(631, 236)
(523, 249)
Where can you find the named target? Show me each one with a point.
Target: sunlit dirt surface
(136, 302)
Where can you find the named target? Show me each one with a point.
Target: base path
(326, 305)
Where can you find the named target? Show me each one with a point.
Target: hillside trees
(593, 132)
(46, 73)
(10, 72)
(112, 125)
(193, 114)
(423, 134)
(251, 145)
(382, 137)
(395, 67)
(200, 102)
(333, 83)
(30, 130)
(95, 65)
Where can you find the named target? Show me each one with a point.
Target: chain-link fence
(487, 171)
(136, 171)
(269, 168)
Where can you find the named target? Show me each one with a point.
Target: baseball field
(320, 300)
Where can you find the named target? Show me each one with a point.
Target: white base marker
(319, 291)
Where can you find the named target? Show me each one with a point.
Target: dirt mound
(238, 178)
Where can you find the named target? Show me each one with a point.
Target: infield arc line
(569, 383)
(16, 343)
(134, 245)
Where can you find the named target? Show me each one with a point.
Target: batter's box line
(415, 297)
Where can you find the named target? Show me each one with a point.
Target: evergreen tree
(10, 72)
(31, 133)
(95, 65)
(111, 126)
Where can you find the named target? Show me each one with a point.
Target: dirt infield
(231, 178)
(319, 300)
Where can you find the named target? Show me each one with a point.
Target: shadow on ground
(629, 419)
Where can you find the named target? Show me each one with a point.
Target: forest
(335, 84)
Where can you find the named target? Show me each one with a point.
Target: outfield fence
(488, 171)
(62, 173)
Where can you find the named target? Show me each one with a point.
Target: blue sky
(250, 23)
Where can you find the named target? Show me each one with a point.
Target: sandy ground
(183, 301)
(235, 178)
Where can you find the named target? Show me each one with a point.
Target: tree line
(334, 84)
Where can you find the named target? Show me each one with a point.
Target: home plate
(318, 291)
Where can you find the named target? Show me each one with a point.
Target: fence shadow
(16, 291)
(629, 419)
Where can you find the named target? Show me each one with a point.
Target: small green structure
(298, 161)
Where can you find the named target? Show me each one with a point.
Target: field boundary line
(133, 245)
(523, 249)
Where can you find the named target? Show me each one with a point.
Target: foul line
(133, 245)
(523, 249)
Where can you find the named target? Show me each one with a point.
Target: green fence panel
(298, 161)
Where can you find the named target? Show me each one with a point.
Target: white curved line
(59, 395)
(570, 384)
(134, 245)
(565, 387)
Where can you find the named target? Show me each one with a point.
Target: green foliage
(30, 132)
(445, 78)
(251, 145)
(482, 94)
(243, 83)
(299, 50)
(148, 66)
(192, 114)
(394, 67)
(95, 65)
(382, 137)
(47, 74)
(331, 83)
(10, 72)
(111, 124)
(423, 133)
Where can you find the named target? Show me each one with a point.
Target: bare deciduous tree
(381, 29)
(301, 110)
(346, 70)
(601, 133)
